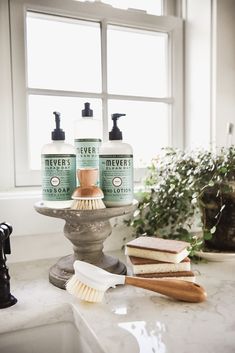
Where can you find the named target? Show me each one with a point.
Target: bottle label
(87, 153)
(116, 177)
(58, 176)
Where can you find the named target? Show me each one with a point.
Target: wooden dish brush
(89, 283)
(87, 196)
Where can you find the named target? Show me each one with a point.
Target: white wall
(197, 15)
(6, 123)
(209, 72)
(224, 102)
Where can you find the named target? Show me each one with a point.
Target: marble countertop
(131, 319)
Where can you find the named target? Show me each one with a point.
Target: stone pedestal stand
(87, 230)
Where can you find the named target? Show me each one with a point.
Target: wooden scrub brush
(87, 196)
(89, 283)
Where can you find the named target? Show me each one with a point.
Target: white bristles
(82, 291)
(87, 204)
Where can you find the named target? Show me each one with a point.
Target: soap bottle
(116, 168)
(88, 132)
(58, 162)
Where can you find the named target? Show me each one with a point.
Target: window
(120, 60)
(153, 7)
(63, 55)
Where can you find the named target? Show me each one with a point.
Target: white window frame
(106, 15)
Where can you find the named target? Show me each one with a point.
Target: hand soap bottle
(58, 165)
(116, 168)
(88, 132)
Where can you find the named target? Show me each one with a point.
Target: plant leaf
(207, 235)
(213, 230)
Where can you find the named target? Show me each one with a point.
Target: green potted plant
(187, 191)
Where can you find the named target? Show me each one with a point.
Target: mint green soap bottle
(58, 168)
(116, 168)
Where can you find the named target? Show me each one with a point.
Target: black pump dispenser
(115, 133)
(6, 299)
(87, 112)
(58, 133)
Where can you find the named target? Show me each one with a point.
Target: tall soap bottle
(58, 165)
(116, 168)
(88, 132)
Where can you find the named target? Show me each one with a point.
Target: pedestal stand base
(60, 273)
(87, 231)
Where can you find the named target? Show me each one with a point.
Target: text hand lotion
(116, 168)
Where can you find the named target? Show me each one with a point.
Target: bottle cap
(87, 112)
(57, 133)
(115, 133)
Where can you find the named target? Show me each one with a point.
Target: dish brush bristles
(82, 291)
(87, 204)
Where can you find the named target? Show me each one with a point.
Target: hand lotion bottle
(116, 168)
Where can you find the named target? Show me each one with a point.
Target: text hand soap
(116, 168)
(58, 165)
(87, 139)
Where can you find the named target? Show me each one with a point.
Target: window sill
(36, 192)
(37, 237)
(20, 193)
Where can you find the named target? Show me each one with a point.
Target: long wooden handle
(174, 288)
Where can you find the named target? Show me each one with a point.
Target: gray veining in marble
(132, 319)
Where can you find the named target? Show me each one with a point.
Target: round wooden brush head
(87, 196)
(87, 188)
(88, 192)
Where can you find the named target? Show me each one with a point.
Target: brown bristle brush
(87, 196)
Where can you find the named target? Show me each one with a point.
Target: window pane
(41, 121)
(63, 54)
(153, 7)
(145, 127)
(137, 62)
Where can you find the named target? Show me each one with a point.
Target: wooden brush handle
(174, 288)
(87, 176)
